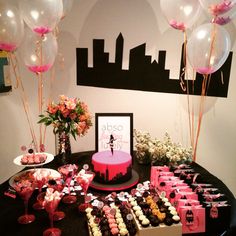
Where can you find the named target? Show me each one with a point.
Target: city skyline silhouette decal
(143, 73)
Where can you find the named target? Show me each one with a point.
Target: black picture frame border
(114, 114)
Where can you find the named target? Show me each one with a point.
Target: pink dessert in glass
(41, 177)
(84, 179)
(51, 199)
(68, 172)
(25, 189)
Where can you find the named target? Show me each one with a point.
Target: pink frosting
(116, 163)
(7, 47)
(114, 231)
(111, 221)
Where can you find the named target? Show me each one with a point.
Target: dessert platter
(33, 159)
(30, 175)
(138, 213)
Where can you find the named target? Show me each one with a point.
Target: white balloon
(39, 52)
(180, 14)
(208, 48)
(11, 27)
(41, 16)
(67, 5)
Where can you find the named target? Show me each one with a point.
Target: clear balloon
(11, 27)
(217, 7)
(180, 14)
(208, 48)
(41, 16)
(67, 5)
(39, 52)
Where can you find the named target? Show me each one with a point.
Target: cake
(112, 168)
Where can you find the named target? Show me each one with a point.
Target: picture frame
(120, 126)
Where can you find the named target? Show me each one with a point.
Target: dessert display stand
(117, 187)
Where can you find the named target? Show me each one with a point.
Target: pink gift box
(183, 195)
(155, 171)
(192, 219)
(186, 202)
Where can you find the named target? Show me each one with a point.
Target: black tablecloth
(75, 222)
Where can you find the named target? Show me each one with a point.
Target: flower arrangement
(164, 152)
(69, 115)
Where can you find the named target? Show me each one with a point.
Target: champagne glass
(25, 188)
(84, 179)
(41, 177)
(51, 200)
(57, 185)
(68, 172)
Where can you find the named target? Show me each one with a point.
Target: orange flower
(52, 108)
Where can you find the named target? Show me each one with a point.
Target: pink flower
(71, 103)
(63, 98)
(73, 116)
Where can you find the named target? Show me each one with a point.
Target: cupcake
(145, 223)
(176, 219)
(123, 232)
(168, 221)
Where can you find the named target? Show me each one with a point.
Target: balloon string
(213, 37)
(24, 98)
(40, 90)
(201, 108)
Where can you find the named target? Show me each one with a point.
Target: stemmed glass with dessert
(50, 199)
(24, 189)
(68, 172)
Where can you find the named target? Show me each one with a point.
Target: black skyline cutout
(117, 179)
(143, 74)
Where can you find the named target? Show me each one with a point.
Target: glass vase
(63, 148)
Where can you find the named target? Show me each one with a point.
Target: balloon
(39, 52)
(41, 16)
(11, 27)
(67, 5)
(180, 14)
(208, 48)
(217, 7)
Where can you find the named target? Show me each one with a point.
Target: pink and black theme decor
(111, 75)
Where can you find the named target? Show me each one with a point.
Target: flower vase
(64, 148)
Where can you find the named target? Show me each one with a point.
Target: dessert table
(74, 222)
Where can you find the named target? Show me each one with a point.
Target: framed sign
(114, 130)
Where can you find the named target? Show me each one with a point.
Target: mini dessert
(176, 219)
(145, 223)
(33, 158)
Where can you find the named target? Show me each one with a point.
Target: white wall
(140, 22)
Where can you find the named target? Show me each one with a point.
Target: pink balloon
(208, 48)
(217, 7)
(41, 16)
(11, 27)
(39, 52)
(180, 14)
